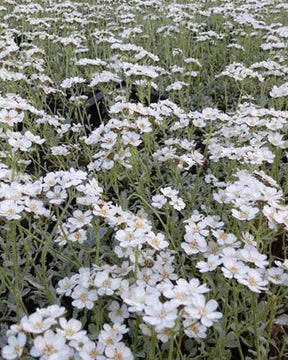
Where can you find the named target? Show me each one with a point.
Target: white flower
(130, 237)
(161, 315)
(52, 311)
(232, 268)
(69, 82)
(283, 265)
(119, 352)
(183, 291)
(10, 117)
(169, 192)
(35, 206)
(224, 238)
(34, 138)
(106, 285)
(177, 203)
(109, 337)
(194, 244)
(245, 212)
(139, 296)
(61, 150)
(109, 140)
(65, 286)
(118, 313)
(83, 298)
(280, 91)
(176, 86)
(10, 209)
(71, 329)
(57, 195)
(51, 346)
(193, 229)
(78, 236)
(158, 201)
(249, 239)
(194, 329)
(15, 347)
(92, 352)
(131, 138)
(251, 254)
(203, 311)
(254, 280)
(36, 323)
(19, 141)
(144, 125)
(157, 241)
(277, 276)
(72, 178)
(211, 264)
(80, 219)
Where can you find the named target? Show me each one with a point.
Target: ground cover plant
(143, 179)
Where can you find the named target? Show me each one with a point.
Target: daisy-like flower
(35, 206)
(194, 329)
(249, 239)
(105, 283)
(50, 346)
(254, 280)
(118, 313)
(157, 241)
(78, 236)
(71, 329)
(119, 352)
(283, 265)
(52, 311)
(109, 140)
(10, 209)
(144, 125)
(57, 195)
(211, 264)
(10, 117)
(203, 311)
(72, 178)
(131, 138)
(65, 286)
(91, 351)
(224, 238)
(177, 203)
(169, 192)
(161, 315)
(83, 298)
(251, 254)
(277, 276)
(139, 296)
(109, 337)
(61, 150)
(245, 212)
(80, 219)
(69, 82)
(196, 229)
(158, 201)
(36, 323)
(194, 244)
(19, 141)
(15, 347)
(232, 268)
(178, 294)
(130, 237)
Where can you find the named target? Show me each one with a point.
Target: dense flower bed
(143, 179)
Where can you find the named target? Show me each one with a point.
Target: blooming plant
(143, 180)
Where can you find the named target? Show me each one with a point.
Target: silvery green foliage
(143, 179)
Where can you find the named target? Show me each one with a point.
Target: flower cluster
(48, 335)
